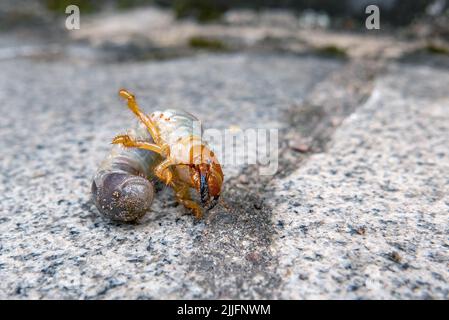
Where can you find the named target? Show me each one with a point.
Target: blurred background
(120, 30)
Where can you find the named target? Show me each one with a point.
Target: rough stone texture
(369, 217)
(58, 120)
(359, 212)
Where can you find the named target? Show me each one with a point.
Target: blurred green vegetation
(127, 4)
(211, 44)
(332, 50)
(396, 12)
(59, 6)
(16, 18)
(201, 10)
(436, 49)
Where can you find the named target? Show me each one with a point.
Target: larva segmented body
(175, 124)
(121, 188)
(182, 132)
(173, 152)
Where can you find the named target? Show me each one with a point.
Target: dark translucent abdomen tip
(122, 196)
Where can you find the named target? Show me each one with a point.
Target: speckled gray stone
(368, 218)
(57, 121)
(359, 210)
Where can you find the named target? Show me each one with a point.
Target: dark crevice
(313, 123)
(242, 260)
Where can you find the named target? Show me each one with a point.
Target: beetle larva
(121, 188)
(187, 160)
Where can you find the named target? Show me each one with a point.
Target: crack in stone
(234, 258)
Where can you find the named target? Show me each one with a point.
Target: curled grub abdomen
(122, 189)
(122, 196)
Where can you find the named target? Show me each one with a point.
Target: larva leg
(130, 142)
(134, 107)
(163, 172)
(183, 197)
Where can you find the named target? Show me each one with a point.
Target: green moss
(59, 6)
(201, 10)
(207, 44)
(332, 50)
(127, 4)
(436, 49)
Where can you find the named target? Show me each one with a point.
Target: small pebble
(257, 206)
(394, 256)
(243, 179)
(361, 230)
(299, 146)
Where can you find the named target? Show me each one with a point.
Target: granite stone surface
(57, 123)
(363, 216)
(368, 218)
(359, 206)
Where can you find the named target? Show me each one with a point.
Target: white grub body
(181, 131)
(122, 188)
(142, 161)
